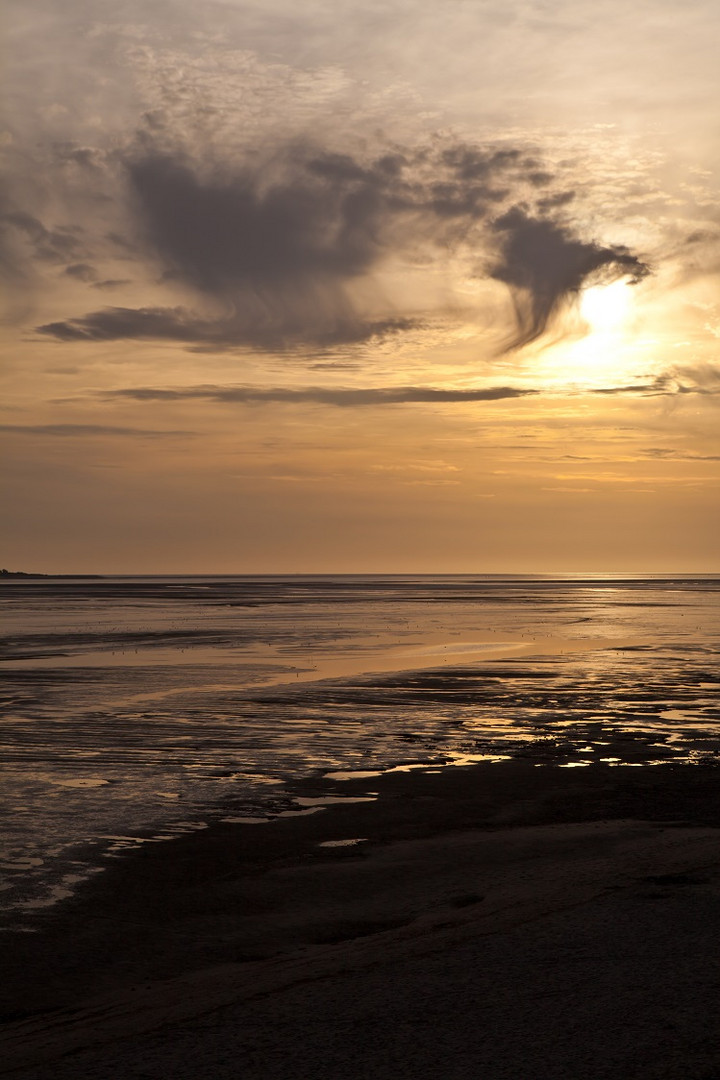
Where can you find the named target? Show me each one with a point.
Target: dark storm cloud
(278, 249)
(221, 234)
(544, 264)
(341, 397)
(278, 246)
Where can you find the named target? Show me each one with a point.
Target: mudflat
(512, 919)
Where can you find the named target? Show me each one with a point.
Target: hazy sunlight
(605, 307)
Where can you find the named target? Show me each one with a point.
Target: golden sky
(350, 286)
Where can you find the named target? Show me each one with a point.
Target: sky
(350, 286)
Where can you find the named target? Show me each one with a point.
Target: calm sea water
(135, 709)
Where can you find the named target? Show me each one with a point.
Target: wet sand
(497, 920)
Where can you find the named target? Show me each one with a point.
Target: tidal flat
(267, 847)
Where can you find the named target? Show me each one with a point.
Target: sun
(605, 307)
(602, 349)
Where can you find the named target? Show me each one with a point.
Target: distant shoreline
(4, 574)
(570, 579)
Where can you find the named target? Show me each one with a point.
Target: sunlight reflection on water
(141, 708)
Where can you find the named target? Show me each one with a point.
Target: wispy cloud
(666, 385)
(703, 380)
(341, 397)
(669, 454)
(91, 430)
(58, 245)
(230, 332)
(700, 378)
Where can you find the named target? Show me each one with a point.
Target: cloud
(289, 250)
(702, 379)
(47, 245)
(81, 272)
(661, 384)
(341, 396)
(27, 245)
(544, 265)
(552, 202)
(671, 454)
(81, 430)
(179, 324)
(111, 283)
(281, 253)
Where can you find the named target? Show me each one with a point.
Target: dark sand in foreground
(497, 921)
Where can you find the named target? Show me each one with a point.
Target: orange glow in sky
(362, 287)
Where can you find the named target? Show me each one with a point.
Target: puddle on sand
(336, 800)
(245, 820)
(242, 820)
(61, 891)
(361, 774)
(82, 783)
(308, 806)
(450, 761)
(343, 843)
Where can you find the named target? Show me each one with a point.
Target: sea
(136, 709)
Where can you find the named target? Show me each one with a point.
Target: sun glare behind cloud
(605, 307)
(606, 351)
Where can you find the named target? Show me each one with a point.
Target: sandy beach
(498, 920)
